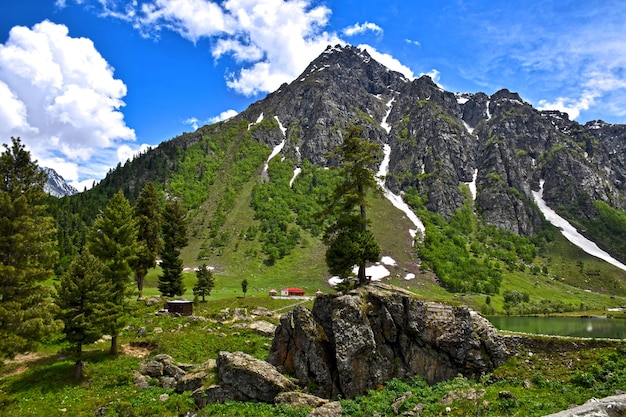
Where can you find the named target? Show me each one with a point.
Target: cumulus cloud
(196, 123)
(358, 29)
(59, 95)
(389, 61)
(272, 40)
(223, 116)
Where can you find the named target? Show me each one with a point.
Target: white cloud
(274, 39)
(223, 116)
(572, 107)
(358, 29)
(413, 42)
(196, 123)
(389, 61)
(59, 95)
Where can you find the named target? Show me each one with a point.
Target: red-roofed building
(288, 292)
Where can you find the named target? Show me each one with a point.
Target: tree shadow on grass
(50, 373)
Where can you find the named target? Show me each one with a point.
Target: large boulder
(251, 378)
(351, 343)
(614, 406)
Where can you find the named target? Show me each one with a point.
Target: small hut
(273, 292)
(291, 292)
(182, 307)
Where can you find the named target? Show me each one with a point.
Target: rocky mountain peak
(56, 185)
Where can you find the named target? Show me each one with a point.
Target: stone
(614, 406)
(332, 409)
(261, 311)
(298, 399)
(173, 371)
(167, 382)
(395, 406)
(151, 368)
(260, 327)
(191, 382)
(141, 381)
(351, 343)
(252, 378)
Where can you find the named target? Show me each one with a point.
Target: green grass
(548, 380)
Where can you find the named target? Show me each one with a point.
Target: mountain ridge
(453, 150)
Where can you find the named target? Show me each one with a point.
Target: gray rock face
(355, 342)
(614, 406)
(251, 378)
(439, 139)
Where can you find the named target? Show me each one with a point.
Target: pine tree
(113, 239)
(205, 283)
(82, 298)
(348, 238)
(174, 238)
(27, 253)
(148, 218)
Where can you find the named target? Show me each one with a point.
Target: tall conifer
(349, 240)
(82, 299)
(174, 239)
(27, 252)
(148, 217)
(113, 239)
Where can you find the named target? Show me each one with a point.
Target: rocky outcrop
(614, 406)
(351, 343)
(243, 378)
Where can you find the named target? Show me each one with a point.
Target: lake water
(563, 326)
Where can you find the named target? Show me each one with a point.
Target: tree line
(93, 296)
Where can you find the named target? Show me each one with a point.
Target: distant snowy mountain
(56, 185)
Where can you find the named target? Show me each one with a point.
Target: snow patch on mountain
(395, 199)
(570, 233)
(384, 123)
(472, 184)
(258, 120)
(280, 126)
(275, 152)
(296, 171)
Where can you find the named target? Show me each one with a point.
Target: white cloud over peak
(389, 61)
(358, 29)
(272, 40)
(196, 123)
(59, 95)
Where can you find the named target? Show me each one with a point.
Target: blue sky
(89, 83)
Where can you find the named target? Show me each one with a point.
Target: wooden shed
(182, 307)
(288, 292)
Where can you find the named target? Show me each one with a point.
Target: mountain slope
(479, 154)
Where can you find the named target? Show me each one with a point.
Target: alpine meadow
(405, 213)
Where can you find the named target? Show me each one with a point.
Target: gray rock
(614, 406)
(191, 382)
(250, 377)
(299, 399)
(261, 327)
(151, 368)
(167, 382)
(141, 381)
(352, 343)
(332, 409)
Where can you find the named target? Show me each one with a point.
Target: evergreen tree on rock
(174, 239)
(348, 239)
(82, 297)
(27, 254)
(113, 239)
(147, 212)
